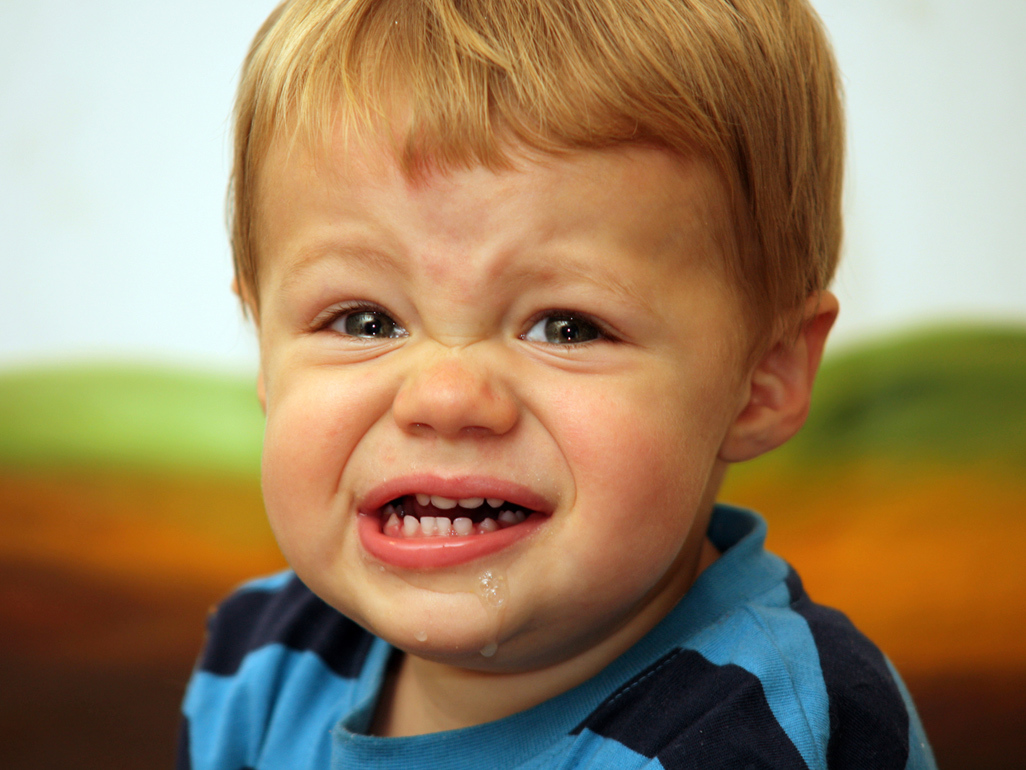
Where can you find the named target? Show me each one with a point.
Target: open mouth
(424, 516)
(426, 522)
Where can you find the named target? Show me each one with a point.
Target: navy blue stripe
(869, 722)
(183, 761)
(694, 715)
(291, 616)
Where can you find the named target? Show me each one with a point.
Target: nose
(454, 397)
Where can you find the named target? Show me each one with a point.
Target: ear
(261, 390)
(244, 296)
(780, 386)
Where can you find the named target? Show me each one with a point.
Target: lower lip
(426, 553)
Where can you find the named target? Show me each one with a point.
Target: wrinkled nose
(454, 397)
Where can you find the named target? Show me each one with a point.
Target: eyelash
(325, 320)
(604, 334)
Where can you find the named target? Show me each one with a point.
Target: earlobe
(249, 307)
(780, 386)
(261, 390)
(260, 387)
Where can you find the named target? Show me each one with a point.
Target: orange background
(107, 574)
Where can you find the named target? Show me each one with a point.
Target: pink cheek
(619, 445)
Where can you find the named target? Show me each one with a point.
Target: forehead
(646, 192)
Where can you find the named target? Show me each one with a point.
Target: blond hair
(749, 84)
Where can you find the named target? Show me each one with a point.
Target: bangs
(749, 85)
(455, 84)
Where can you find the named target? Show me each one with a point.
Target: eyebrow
(312, 256)
(572, 269)
(576, 271)
(555, 270)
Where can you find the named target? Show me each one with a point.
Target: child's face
(559, 337)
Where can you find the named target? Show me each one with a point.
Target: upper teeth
(448, 503)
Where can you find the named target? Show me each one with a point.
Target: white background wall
(114, 155)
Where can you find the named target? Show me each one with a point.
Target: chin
(446, 623)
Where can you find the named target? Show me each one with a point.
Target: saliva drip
(493, 591)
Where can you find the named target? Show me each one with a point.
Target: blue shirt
(746, 671)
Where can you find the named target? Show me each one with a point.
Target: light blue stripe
(280, 698)
(495, 748)
(775, 644)
(268, 583)
(595, 751)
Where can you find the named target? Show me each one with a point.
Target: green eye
(563, 329)
(368, 324)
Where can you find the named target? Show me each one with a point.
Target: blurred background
(130, 435)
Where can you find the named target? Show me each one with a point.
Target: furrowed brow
(573, 272)
(312, 257)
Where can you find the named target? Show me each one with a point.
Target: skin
(622, 439)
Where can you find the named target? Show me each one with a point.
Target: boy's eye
(367, 324)
(563, 329)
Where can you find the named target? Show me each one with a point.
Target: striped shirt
(745, 672)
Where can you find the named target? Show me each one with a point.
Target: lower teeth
(441, 526)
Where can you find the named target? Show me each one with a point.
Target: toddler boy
(528, 275)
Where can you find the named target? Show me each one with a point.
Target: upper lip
(455, 488)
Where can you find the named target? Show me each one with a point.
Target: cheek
(313, 427)
(302, 438)
(641, 462)
(654, 439)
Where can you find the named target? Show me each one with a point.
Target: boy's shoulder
(777, 684)
(747, 669)
(279, 669)
(280, 612)
(757, 674)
